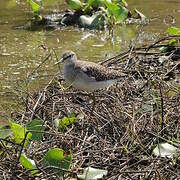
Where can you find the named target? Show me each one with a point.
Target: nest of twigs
(128, 120)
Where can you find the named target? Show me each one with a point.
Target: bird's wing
(97, 72)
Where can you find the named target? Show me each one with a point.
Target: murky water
(21, 51)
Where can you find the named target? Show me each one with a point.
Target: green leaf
(117, 11)
(164, 150)
(75, 4)
(173, 31)
(35, 7)
(4, 132)
(29, 164)
(172, 42)
(37, 128)
(19, 132)
(66, 121)
(92, 174)
(95, 3)
(56, 158)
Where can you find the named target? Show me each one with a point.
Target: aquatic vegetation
(91, 14)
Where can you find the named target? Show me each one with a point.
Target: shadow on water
(21, 50)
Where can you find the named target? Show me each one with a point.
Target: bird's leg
(94, 103)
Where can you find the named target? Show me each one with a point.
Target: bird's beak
(60, 61)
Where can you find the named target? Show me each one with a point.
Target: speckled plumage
(86, 75)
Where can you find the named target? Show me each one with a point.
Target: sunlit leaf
(66, 121)
(29, 164)
(35, 7)
(37, 128)
(75, 4)
(57, 159)
(174, 31)
(172, 42)
(164, 150)
(117, 11)
(92, 174)
(19, 132)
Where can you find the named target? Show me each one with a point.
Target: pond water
(21, 50)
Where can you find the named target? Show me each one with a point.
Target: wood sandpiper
(87, 76)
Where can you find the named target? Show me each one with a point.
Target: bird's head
(68, 57)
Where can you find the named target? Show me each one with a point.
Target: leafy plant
(75, 4)
(61, 124)
(29, 164)
(117, 11)
(35, 6)
(57, 161)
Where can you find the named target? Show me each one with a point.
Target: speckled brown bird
(87, 76)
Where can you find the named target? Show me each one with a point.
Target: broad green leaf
(118, 12)
(56, 158)
(19, 132)
(29, 164)
(174, 31)
(164, 150)
(92, 174)
(4, 132)
(37, 128)
(75, 4)
(35, 7)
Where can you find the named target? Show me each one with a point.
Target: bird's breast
(69, 74)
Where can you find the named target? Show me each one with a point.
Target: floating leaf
(35, 7)
(19, 132)
(4, 132)
(56, 158)
(37, 128)
(28, 163)
(173, 31)
(92, 174)
(117, 11)
(75, 4)
(164, 150)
